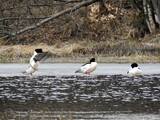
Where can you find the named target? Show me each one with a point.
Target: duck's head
(134, 65)
(92, 60)
(36, 51)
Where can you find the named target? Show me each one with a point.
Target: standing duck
(88, 67)
(38, 56)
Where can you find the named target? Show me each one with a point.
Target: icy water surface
(107, 94)
(70, 68)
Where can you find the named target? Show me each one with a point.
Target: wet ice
(72, 88)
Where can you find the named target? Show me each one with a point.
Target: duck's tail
(24, 72)
(77, 71)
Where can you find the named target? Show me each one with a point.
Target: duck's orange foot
(87, 73)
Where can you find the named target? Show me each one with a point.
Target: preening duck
(135, 70)
(38, 56)
(88, 67)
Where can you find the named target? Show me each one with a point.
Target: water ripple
(96, 90)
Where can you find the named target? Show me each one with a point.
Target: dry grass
(104, 51)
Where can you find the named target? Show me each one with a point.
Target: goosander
(88, 67)
(38, 56)
(135, 70)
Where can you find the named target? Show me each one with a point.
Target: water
(55, 91)
(70, 68)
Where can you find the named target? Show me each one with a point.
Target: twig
(42, 22)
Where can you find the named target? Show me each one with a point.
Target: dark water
(114, 97)
(56, 91)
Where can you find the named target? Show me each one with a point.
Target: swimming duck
(89, 67)
(135, 70)
(38, 56)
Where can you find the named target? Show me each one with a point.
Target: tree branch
(102, 8)
(156, 6)
(69, 10)
(21, 18)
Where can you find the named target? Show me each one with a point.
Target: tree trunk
(149, 20)
(156, 6)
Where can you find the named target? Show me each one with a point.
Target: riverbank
(104, 52)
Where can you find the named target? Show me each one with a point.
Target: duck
(135, 70)
(87, 68)
(34, 62)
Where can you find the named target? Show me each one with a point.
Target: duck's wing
(85, 64)
(83, 68)
(41, 56)
(140, 71)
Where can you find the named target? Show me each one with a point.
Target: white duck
(88, 67)
(135, 70)
(38, 56)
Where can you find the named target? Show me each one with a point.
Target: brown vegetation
(104, 51)
(119, 23)
(119, 33)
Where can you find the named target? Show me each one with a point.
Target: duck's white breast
(135, 71)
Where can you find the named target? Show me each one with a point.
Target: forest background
(76, 30)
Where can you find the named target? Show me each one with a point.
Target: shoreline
(71, 54)
(84, 59)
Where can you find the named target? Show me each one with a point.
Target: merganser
(88, 67)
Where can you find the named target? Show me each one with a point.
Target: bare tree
(148, 13)
(27, 19)
(21, 16)
(156, 7)
(151, 10)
